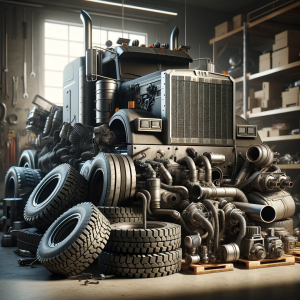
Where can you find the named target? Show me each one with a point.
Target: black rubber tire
(115, 214)
(86, 168)
(74, 240)
(59, 190)
(28, 159)
(132, 238)
(140, 266)
(287, 224)
(20, 181)
(29, 239)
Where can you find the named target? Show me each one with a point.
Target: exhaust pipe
(260, 155)
(261, 213)
(87, 26)
(174, 38)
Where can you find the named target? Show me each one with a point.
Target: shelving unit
(282, 138)
(289, 166)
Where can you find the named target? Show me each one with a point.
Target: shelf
(281, 138)
(289, 166)
(275, 112)
(283, 73)
(239, 81)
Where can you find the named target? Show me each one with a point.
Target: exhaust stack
(87, 26)
(174, 38)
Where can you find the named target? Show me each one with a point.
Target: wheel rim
(63, 230)
(47, 190)
(10, 190)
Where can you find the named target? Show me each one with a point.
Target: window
(64, 43)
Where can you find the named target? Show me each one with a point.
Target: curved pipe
(200, 218)
(148, 196)
(87, 27)
(261, 213)
(191, 165)
(183, 191)
(213, 209)
(144, 199)
(238, 217)
(208, 172)
(163, 171)
(174, 38)
(227, 192)
(222, 223)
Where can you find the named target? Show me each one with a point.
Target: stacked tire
(135, 252)
(116, 214)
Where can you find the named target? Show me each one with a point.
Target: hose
(222, 223)
(238, 217)
(213, 209)
(191, 165)
(144, 199)
(163, 171)
(207, 166)
(148, 196)
(200, 218)
(182, 190)
(275, 168)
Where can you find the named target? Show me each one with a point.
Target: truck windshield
(134, 67)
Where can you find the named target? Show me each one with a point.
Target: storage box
(281, 126)
(288, 38)
(271, 104)
(258, 110)
(285, 56)
(252, 102)
(278, 132)
(291, 97)
(223, 28)
(272, 90)
(265, 62)
(263, 133)
(259, 95)
(251, 93)
(238, 21)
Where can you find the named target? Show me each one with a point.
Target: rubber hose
(144, 199)
(222, 223)
(214, 211)
(242, 221)
(191, 165)
(200, 218)
(207, 166)
(249, 180)
(148, 196)
(182, 190)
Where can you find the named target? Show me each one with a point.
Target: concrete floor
(38, 283)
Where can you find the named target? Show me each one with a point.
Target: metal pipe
(182, 190)
(238, 217)
(148, 196)
(191, 165)
(144, 199)
(87, 27)
(227, 192)
(208, 172)
(163, 171)
(215, 159)
(200, 218)
(174, 38)
(261, 213)
(222, 223)
(260, 155)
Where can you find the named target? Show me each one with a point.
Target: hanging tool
(15, 80)
(32, 74)
(5, 42)
(6, 96)
(14, 23)
(25, 95)
(3, 117)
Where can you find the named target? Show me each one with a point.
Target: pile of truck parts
(147, 166)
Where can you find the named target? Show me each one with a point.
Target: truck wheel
(28, 159)
(59, 190)
(86, 168)
(20, 181)
(132, 238)
(286, 224)
(74, 240)
(116, 214)
(29, 239)
(137, 266)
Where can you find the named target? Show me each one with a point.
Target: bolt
(90, 282)
(102, 276)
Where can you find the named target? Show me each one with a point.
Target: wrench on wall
(25, 95)
(15, 90)
(32, 74)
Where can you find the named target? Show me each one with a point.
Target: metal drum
(106, 95)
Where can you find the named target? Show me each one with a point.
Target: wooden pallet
(271, 262)
(198, 269)
(297, 244)
(296, 253)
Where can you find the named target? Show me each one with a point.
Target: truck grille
(201, 110)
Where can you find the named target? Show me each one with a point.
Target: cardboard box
(285, 56)
(288, 38)
(271, 104)
(251, 93)
(278, 132)
(265, 56)
(252, 102)
(265, 62)
(290, 100)
(238, 21)
(258, 110)
(259, 95)
(272, 90)
(263, 133)
(223, 28)
(282, 126)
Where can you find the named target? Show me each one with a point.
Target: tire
(140, 266)
(74, 240)
(86, 168)
(132, 238)
(287, 224)
(28, 159)
(19, 182)
(122, 214)
(29, 239)
(59, 190)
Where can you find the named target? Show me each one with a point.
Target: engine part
(273, 245)
(217, 176)
(219, 192)
(121, 214)
(32, 74)
(169, 199)
(204, 254)
(261, 213)
(59, 190)
(133, 238)
(140, 266)
(26, 261)
(284, 181)
(12, 211)
(296, 233)
(25, 95)
(289, 244)
(87, 26)
(215, 159)
(229, 253)
(106, 95)
(199, 160)
(265, 182)
(29, 239)
(80, 234)
(193, 175)
(15, 80)
(162, 171)
(260, 155)
(91, 64)
(282, 202)
(142, 196)
(253, 244)
(192, 242)
(286, 224)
